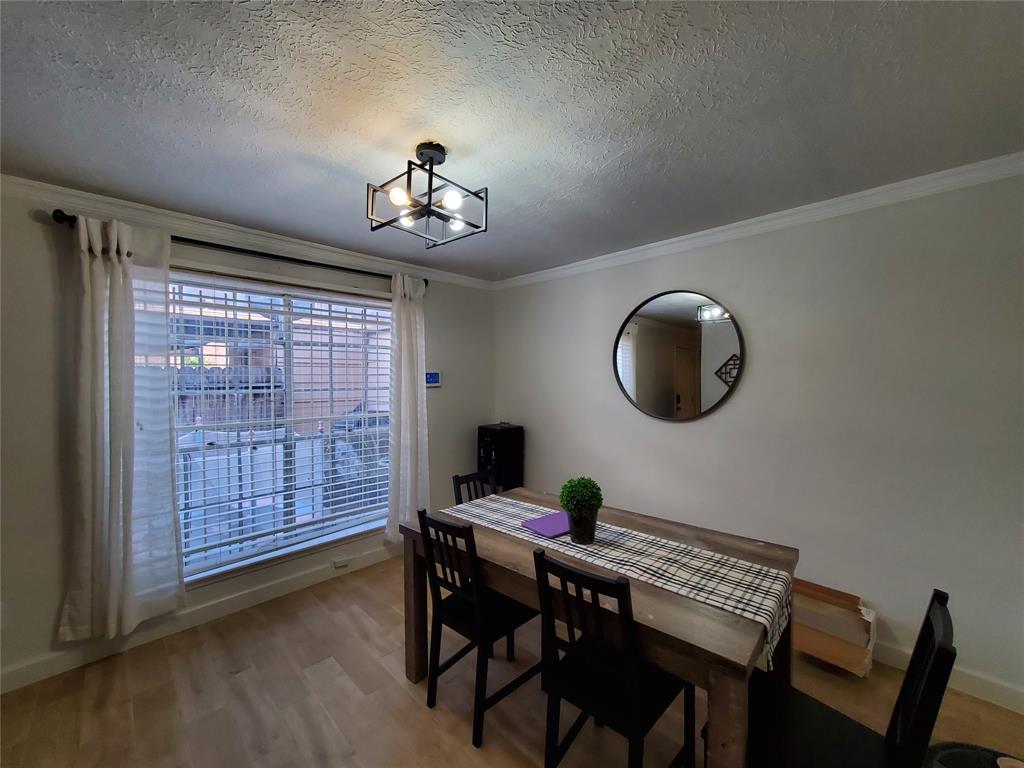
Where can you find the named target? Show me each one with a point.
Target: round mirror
(678, 356)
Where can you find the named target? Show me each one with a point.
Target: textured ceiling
(596, 126)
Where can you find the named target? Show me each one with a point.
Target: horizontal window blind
(625, 358)
(281, 402)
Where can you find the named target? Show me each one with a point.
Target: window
(281, 419)
(625, 359)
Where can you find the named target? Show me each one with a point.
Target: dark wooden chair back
(450, 552)
(563, 592)
(917, 706)
(473, 486)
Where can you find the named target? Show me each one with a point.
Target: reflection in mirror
(679, 355)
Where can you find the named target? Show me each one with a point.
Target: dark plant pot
(581, 529)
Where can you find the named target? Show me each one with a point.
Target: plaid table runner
(747, 589)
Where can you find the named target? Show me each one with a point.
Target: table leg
(415, 613)
(727, 719)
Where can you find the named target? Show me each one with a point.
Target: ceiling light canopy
(423, 202)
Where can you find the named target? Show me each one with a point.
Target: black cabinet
(501, 446)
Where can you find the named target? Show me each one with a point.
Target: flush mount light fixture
(425, 203)
(711, 313)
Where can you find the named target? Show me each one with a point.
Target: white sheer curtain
(409, 487)
(125, 565)
(625, 359)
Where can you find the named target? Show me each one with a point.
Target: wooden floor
(316, 678)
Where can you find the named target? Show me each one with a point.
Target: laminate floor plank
(264, 732)
(199, 687)
(16, 712)
(280, 675)
(228, 641)
(148, 666)
(317, 736)
(215, 741)
(53, 739)
(317, 678)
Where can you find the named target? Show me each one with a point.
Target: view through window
(281, 402)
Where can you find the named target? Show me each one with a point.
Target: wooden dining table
(712, 648)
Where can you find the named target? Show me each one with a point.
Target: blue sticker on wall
(433, 378)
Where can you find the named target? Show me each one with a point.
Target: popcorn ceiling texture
(597, 127)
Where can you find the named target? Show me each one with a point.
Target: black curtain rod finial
(64, 218)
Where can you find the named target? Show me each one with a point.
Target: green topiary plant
(581, 498)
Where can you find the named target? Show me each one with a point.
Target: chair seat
(952, 754)
(502, 615)
(792, 729)
(628, 696)
(801, 732)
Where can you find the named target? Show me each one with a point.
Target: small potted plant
(581, 498)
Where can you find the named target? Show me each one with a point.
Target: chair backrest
(450, 552)
(473, 486)
(563, 592)
(917, 706)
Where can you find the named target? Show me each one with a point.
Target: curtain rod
(61, 217)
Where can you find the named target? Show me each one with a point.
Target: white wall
(460, 344)
(878, 425)
(35, 336)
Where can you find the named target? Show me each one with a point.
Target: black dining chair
(597, 668)
(474, 486)
(479, 614)
(803, 732)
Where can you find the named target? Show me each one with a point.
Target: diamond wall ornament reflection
(729, 370)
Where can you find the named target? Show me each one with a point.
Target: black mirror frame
(722, 399)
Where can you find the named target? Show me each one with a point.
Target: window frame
(373, 517)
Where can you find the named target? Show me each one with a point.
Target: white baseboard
(964, 680)
(61, 660)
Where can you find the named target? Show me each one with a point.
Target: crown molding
(890, 194)
(185, 225)
(77, 201)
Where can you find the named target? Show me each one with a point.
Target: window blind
(281, 400)
(625, 359)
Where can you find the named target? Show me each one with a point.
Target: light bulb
(451, 200)
(397, 196)
(405, 221)
(455, 223)
(716, 311)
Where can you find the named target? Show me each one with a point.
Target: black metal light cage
(427, 208)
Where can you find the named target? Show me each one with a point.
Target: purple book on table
(549, 526)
